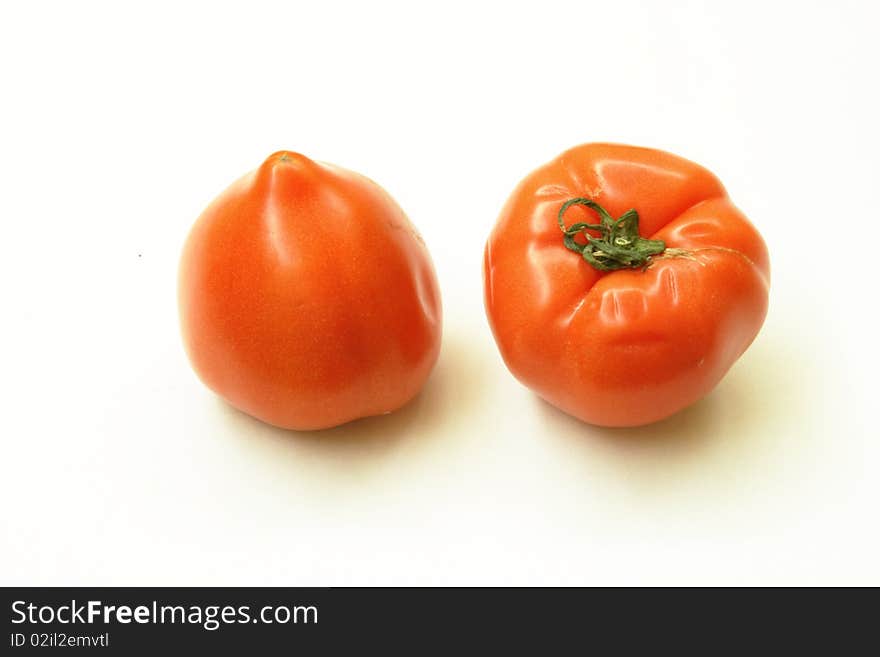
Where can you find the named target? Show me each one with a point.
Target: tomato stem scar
(619, 246)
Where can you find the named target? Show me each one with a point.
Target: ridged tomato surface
(632, 346)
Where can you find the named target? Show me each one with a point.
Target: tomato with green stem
(621, 283)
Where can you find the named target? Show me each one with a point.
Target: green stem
(619, 246)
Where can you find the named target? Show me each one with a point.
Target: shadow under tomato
(739, 425)
(452, 390)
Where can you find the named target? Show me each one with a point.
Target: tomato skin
(628, 347)
(307, 299)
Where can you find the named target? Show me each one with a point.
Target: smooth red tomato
(307, 299)
(647, 316)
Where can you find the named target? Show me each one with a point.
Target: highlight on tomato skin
(307, 299)
(622, 283)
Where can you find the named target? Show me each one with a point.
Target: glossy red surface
(632, 346)
(307, 298)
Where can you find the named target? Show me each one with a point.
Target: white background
(120, 123)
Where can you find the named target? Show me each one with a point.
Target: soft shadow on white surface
(752, 414)
(452, 391)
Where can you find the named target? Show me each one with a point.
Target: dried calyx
(619, 245)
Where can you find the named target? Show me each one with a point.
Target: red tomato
(307, 298)
(647, 315)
